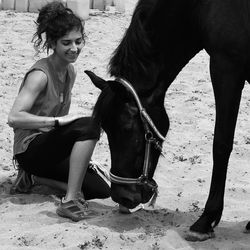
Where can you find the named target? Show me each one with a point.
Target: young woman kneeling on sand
(50, 146)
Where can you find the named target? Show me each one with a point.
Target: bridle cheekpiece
(149, 129)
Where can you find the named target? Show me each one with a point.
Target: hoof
(123, 210)
(247, 229)
(194, 236)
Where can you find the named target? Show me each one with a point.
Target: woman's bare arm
(19, 116)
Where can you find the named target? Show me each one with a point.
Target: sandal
(22, 184)
(75, 210)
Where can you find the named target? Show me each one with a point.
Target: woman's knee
(86, 128)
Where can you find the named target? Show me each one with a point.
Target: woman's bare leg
(79, 160)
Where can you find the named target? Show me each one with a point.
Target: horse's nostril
(126, 195)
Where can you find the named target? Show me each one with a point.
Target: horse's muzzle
(132, 195)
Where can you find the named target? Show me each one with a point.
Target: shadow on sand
(158, 222)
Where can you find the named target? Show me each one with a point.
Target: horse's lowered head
(135, 126)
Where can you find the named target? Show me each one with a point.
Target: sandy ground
(30, 221)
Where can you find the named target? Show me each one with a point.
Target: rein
(149, 126)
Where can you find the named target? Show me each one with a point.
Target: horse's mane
(133, 53)
(154, 28)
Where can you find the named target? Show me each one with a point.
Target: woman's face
(68, 47)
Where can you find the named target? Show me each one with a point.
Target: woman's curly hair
(54, 21)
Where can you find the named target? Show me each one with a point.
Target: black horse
(161, 39)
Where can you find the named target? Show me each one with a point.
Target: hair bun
(55, 21)
(51, 11)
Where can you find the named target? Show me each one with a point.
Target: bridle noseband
(149, 128)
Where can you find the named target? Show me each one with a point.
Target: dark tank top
(51, 101)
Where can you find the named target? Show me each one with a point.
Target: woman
(50, 146)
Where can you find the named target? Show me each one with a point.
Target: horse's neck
(174, 25)
(156, 47)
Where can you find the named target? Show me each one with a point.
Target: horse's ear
(98, 81)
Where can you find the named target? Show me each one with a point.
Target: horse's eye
(128, 117)
(126, 122)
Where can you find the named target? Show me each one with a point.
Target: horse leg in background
(247, 229)
(228, 82)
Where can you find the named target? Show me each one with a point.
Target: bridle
(149, 129)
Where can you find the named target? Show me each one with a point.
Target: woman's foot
(23, 183)
(75, 210)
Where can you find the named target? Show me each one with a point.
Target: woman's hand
(64, 120)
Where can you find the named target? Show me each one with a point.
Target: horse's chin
(128, 198)
(123, 210)
(128, 204)
(125, 206)
(147, 198)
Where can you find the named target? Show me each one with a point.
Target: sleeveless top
(50, 102)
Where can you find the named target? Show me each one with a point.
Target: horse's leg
(228, 81)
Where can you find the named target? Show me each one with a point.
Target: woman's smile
(72, 56)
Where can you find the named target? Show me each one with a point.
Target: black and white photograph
(125, 124)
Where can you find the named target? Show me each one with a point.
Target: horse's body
(161, 39)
